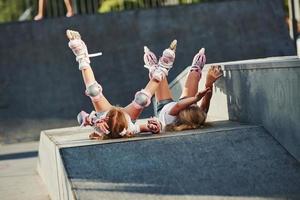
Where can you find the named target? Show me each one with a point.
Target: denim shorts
(161, 104)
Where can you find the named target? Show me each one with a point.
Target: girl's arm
(213, 74)
(206, 102)
(144, 128)
(184, 103)
(152, 125)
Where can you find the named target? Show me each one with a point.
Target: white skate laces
(199, 61)
(82, 56)
(167, 59)
(150, 61)
(149, 58)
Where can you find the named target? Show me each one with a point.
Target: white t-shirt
(164, 117)
(133, 128)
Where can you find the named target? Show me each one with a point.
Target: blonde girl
(110, 121)
(186, 113)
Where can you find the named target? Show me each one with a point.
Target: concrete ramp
(260, 91)
(224, 160)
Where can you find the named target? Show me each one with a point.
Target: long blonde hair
(191, 117)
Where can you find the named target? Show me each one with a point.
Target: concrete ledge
(260, 91)
(225, 160)
(51, 167)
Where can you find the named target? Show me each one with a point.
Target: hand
(202, 93)
(129, 134)
(87, 122)
(154, 125)
(96, 136)
(213, 74)
(102, 125)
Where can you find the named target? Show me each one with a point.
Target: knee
(94, 91)
(142, 99)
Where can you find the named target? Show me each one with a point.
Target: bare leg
(134, 113)
(88, 77)
(41, 8)
(158, 74)
(191, 85)
(69, 7)
(163, 91)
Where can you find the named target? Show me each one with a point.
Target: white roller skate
(150, 61)
(199, 61)
(80, 50)
(160, 70)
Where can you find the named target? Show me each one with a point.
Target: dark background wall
(39, 77)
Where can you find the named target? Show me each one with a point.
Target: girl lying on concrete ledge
(111, 121)
(186, 113)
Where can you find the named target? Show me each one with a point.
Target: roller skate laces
(199, 61)
(150, 61)
(165, 62)
(79, 48)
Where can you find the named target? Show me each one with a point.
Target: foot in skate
(165, 62)
(199, 61)
(83, 119)
(79, 49)
(72, 35)
(150, 61)
(173, 45)
(167, 59)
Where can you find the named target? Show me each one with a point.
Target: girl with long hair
(188, 112)
(110, 121)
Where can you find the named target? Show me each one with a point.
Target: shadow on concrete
(267, 94)
(244, 162)
(261, 91)
(14, 156)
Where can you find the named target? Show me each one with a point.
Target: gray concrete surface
(38, 73)
(242, 163)
(264, 91)
(25, 130)
(225, 160)
(18, 176)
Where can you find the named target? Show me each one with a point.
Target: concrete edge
(150, 136)
(182, 133)
(51, 165)
(263, 63)
(55, 178)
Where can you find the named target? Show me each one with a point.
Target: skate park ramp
(229, 158)
(42, 89)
